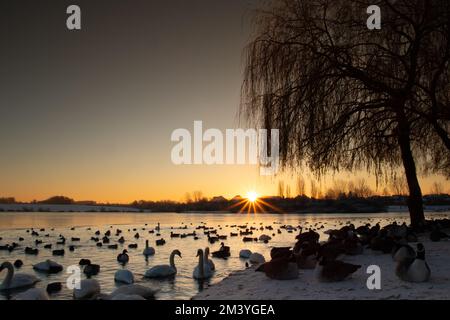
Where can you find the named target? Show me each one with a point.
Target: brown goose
(280, 268)
(334, 270)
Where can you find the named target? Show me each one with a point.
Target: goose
(334, 270)
(87, 290)
(126, 292)
(209, 261)
(402, 252)
(123, 257)
(32, 294)
(280, 268)
(306, 255)
(124, 276)
(15, 281)
(416, 269)
(164, 270)
(48, 266)
(202, 270)
(148, 251)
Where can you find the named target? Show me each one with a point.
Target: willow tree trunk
(414, 201)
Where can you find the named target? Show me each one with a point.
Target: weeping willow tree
(345, 97)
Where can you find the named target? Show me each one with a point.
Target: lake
(183, 286)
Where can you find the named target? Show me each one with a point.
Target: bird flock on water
(307, 252)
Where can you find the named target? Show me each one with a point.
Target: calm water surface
(183, 286)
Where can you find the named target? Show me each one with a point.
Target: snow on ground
(248, 284)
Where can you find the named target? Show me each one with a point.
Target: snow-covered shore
(248, 284)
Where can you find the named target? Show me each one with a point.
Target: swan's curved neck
(201, 267)
(9, 276)
(146, 244)
(172, 260)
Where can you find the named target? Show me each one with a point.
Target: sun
(252, 196)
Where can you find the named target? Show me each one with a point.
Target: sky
(89, 113)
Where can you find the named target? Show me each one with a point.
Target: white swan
(18, 280)
(164, 270)
(48, 266)
(209, 261)
(124, 276)
(32, 294)
(130, 290)
(202, 270)
(256, 257)
(245, 253)
(88, 289)
(148, 251)
(132, 297)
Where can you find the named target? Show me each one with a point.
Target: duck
(16, 281)
(164, 270)
(160, 242)
(18, 263)
(59, 252)
(223, 252)
(48, 266)
(148, 251)
(32, 294)
(91, 270)
(124, 276)
(84, 262)
(209, 261)
(334, 270)
(29, 250)
(130, 290)
(54, 287)
(88, 289)
(416, 269)
(123, 257)
(202, 270)
(264, 238)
